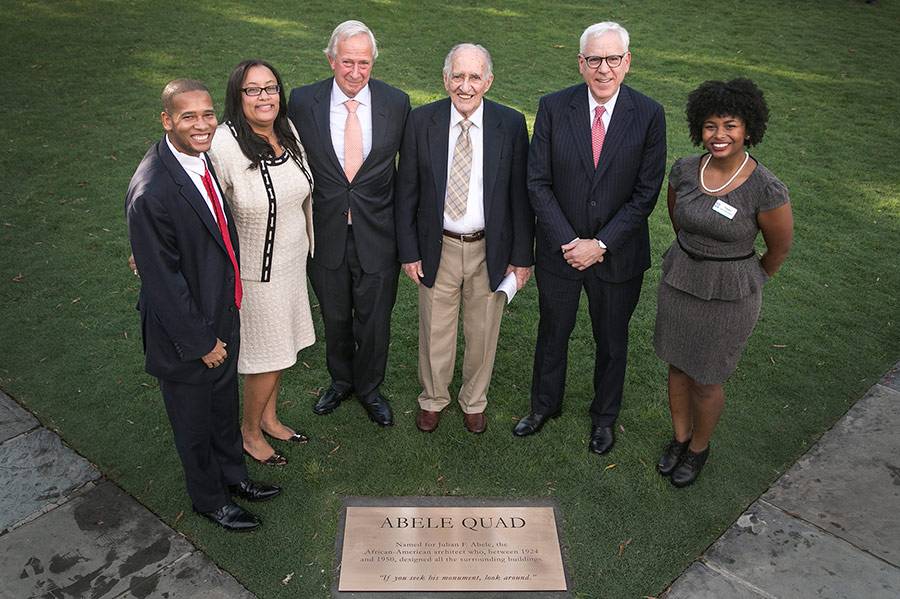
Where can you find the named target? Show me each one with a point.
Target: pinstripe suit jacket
(573, 199)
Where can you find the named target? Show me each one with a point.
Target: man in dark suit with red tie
(186, 248)
(351, 126)
(595, 167)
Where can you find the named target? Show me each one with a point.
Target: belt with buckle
(465, 237)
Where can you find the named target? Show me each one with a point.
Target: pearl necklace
(727, 183)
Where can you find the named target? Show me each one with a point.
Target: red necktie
(598, 133)
(226, 237)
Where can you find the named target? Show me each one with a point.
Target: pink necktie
(226, 237)
(598, 134)
(353, 142)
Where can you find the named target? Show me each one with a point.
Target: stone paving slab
(194, 577)
(14, 420)
(788, 558)
(37, 470)
(100, 544)
(849, 483)
(701, 582)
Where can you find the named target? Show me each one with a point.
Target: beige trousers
(462, 277)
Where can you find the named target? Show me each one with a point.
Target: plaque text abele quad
(417, 544)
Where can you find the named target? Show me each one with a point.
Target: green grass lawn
(81, 82)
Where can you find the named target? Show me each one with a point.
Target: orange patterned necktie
(353, 142)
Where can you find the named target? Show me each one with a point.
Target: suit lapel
(622, 115)
(491, 144)
(226, 208)
(189, 192)
(580, 127)
(322, 117)
(379, 121)
(438, 138)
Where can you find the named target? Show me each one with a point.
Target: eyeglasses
(612, 61)
(255, 91)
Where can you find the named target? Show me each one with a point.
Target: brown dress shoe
(427, 421)
(475, 423)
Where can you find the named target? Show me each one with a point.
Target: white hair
(598, 29)
(488, 63)
(345, 31)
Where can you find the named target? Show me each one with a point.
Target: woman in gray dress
(711, 288)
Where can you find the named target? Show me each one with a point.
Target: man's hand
(414, 271)
(583, 253)
(217, 356)
(132, 265)
(523, 273)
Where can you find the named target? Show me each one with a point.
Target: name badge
(725, 209)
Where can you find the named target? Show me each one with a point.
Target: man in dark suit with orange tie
(595, 167)
(185, 246)
(351, 126)
(463, 224)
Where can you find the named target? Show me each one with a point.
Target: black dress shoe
(232, 517)
(671, 456)
(330, 400)
(251, 491)
(602, 439)
(379, 409)
(689, 468)
(531, 424)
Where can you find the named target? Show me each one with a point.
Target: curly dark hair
(255, 147)
(738, 97)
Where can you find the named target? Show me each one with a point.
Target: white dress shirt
(473, 220)
(195, 166)
(609, 105)
(338, 119)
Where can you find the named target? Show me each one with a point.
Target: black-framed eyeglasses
(612, 61)
(255, 91)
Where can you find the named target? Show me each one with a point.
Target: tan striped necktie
(460, 171)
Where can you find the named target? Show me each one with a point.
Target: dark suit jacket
(422, 189)
(612, 202)
(371, 194)
(187, 280)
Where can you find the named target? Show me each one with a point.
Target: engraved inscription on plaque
(451, 549)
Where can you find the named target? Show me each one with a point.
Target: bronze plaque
(467, 548)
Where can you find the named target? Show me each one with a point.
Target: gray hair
(179, 86)
(598, 29)
(346, 30)
(489, 64)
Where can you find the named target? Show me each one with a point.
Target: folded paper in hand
(508, 286)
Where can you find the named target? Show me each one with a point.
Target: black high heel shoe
(296, 437)
(689, 468)
(671, 456)
(276, 459)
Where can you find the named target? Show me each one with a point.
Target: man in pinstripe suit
(595, 167)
